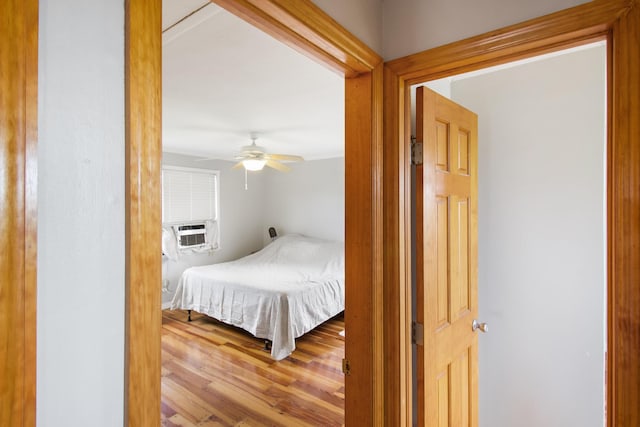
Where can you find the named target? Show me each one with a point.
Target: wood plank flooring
(217, 375)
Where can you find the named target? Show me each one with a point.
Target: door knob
(477, 325)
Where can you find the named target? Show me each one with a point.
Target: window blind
(189, 195)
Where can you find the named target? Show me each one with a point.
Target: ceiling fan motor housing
(252, 151)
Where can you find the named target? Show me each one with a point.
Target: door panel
(442, 246)
(446, 221)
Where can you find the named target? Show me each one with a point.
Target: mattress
(279, 293)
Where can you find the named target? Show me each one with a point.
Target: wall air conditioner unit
(191, 236)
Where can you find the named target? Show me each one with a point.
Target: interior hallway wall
(81, 214)
(411, 26)
(362, 18)
(541, 240)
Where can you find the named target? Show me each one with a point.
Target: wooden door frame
(18, 212)
(306, 28)
(617, 21)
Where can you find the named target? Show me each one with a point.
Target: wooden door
(446, 256)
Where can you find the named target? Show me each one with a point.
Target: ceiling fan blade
(237, 165)
(202, 159)
(286, 157)
(277, 165)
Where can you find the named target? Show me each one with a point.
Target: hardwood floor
(217, 375)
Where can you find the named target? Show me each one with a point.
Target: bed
(279, 293)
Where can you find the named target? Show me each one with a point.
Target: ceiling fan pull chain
(246, 186)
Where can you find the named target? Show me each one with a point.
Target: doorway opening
(541, 235)
(225, 84)
(329, 44)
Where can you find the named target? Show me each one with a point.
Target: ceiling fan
(254, 157)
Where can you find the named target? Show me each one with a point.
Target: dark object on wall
(272, 233)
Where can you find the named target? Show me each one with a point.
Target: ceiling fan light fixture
(254, 164)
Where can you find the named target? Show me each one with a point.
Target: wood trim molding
(305, 27)
(18, 212)
(397, 259)
(364, 396)
(619, 20)
(359, 228)
(559, 30)
(143, 151)
(31, 213)
(623, 233)
(376, 259)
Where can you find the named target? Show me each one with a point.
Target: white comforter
(278, 293)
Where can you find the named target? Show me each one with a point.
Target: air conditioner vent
(191, 227)
(191, 235)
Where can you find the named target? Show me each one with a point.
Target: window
(189, 195)
(190, 206)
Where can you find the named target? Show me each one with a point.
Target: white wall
(396, 28)
(362, 18)
(241, 219)
(308, 200)
(411, 26)
(541, 240)
(80, 339)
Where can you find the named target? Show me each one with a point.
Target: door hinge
(417, 333)
(346, 367)
(416, 152)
